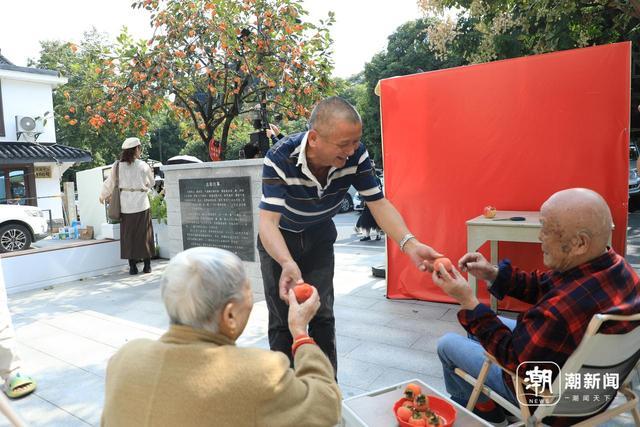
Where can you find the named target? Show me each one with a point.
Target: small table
(481, 229)
(375, 409)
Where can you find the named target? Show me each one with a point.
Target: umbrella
(177, 160)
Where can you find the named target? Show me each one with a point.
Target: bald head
(331, 110)
(577, 212)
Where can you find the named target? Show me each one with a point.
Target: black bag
(113, 212)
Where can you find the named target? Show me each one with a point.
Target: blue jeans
(456, 351)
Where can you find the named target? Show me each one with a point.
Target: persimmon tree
(83, 64)
(213, 61)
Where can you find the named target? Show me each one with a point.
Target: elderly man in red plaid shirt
(586, 277)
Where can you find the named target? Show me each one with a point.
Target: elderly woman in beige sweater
(195, 375)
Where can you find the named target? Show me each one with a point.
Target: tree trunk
(225, 135)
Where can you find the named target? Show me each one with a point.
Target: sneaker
(491, 413)
(512, 419)
(365, 239)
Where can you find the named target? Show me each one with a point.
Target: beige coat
(192, 377)
(136, 176)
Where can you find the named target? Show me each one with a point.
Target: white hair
(198, 283)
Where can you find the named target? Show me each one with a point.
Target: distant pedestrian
(367, 223)
(135, 180)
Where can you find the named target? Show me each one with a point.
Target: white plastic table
(375, 409)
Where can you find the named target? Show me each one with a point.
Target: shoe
(365, 239)
(512, 419)
(491, 413)
(147, 266)
(378, 237)
(133, 268)
(18, 386)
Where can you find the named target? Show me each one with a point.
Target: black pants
(312, 250)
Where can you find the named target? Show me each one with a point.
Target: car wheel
(347, 204)
(14, 237)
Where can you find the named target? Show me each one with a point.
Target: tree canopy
(213, 61)
(408, 51)
(508, 28)
(73, 102)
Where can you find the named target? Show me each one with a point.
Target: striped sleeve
(365, 180)
(274, 187)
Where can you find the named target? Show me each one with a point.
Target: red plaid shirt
(564, 304)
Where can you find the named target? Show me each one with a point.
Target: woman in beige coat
(135, 180)
(195, 375)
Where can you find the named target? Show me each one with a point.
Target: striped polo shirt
(289, 187)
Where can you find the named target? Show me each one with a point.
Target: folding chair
(9, 412)
(597, 353)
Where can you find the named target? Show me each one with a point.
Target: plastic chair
(597, 353)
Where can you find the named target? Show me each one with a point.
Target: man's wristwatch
(404, 240)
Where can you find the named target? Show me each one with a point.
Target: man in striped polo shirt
(304, 180)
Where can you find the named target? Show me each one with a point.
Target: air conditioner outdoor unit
(28, 129)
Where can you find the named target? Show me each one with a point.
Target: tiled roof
(30, 70)
(5, 64)
(4, 60)
(29, 152)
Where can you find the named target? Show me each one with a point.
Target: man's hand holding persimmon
(421, 254)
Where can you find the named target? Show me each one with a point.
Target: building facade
(31, 162)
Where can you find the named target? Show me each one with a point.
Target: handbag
(113, 212)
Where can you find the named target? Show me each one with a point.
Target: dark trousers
(312, 250)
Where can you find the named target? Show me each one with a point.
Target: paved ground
(67, 334)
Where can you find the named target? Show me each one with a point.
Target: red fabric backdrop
(507, 134)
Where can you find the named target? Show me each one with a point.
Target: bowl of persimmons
(418, 409)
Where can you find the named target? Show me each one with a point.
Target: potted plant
(159, 220)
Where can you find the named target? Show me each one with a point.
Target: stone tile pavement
(67, 334)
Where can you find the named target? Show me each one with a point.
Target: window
(1, 114)
(3, 191)
(17, 186)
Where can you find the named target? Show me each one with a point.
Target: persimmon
(421, 403)
(303, 291)
(404, 413)
(411, 391)
(445, 262)
(417, 419)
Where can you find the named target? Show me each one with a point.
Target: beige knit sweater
(192, 377)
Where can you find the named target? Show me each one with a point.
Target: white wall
(35, 270)
(89, 183)
(24, 98)
(48, 189)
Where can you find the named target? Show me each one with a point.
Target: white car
(348, 200)
(20, 226)
(352, 199)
